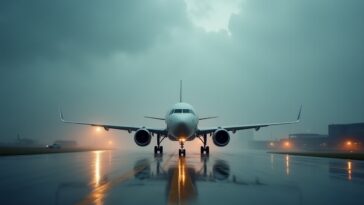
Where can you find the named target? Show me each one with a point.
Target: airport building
(344, 137)
(354, 131)
(20, 142)
(66, 143)
(309, 141)
(347, 136)
(296, 141)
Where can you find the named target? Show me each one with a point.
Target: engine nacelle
(142, 137)
(221, 137)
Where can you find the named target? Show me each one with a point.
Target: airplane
(182, 125)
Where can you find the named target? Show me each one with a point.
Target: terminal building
(347, 136)
(309, 141)
(354, 131)
(66, 143)
(343, 137)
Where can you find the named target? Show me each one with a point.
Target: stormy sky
(247, 61)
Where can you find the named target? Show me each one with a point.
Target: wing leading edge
(252, 126)
(116, 127)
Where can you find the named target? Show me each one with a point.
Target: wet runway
(115, 177)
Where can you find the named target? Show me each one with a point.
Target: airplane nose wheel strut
(182, 150)
(159, 149)
(205, 150)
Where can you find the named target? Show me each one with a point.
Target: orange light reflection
(182, 188)
(98, 195)
(349, 169)
(97, 168)
(287, 164)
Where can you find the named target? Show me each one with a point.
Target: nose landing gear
(182, 150)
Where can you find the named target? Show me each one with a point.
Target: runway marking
(97, 195)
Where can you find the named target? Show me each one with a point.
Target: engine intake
(221, 137)
(142, 137)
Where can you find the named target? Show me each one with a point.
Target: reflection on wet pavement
(181, 188)
(349, 170)
(287, 164)
(111, 177)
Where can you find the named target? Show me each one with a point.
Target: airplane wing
(245, 127)
(116, 127)
(155, 118)
(207, 118)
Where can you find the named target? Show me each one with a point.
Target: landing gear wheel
(158, 150)
(205, 150)
(155, 150)
(182, 152)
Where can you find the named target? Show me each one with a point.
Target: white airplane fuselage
(182, 122)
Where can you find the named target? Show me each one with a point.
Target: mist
(252, 61)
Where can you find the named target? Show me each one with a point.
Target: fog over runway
(118, 177)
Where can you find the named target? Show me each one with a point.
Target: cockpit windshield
(181, 111)
(186, 111)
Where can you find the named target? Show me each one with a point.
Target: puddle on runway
(106, 177)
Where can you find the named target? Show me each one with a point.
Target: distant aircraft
(182, 125)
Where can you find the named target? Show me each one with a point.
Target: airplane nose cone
(181, 129)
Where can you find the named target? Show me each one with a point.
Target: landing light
(98, 129)
(349, 143)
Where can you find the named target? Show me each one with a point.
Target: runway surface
(115, 177)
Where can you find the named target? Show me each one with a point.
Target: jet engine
(142, 137)
(221, 137)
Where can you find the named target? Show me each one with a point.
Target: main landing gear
(205, 150)
(182, 150)
(159, 149)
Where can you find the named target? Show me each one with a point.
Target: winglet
(61, 114)
(299, 114)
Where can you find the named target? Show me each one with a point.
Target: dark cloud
(115, 62)
(63, 30)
